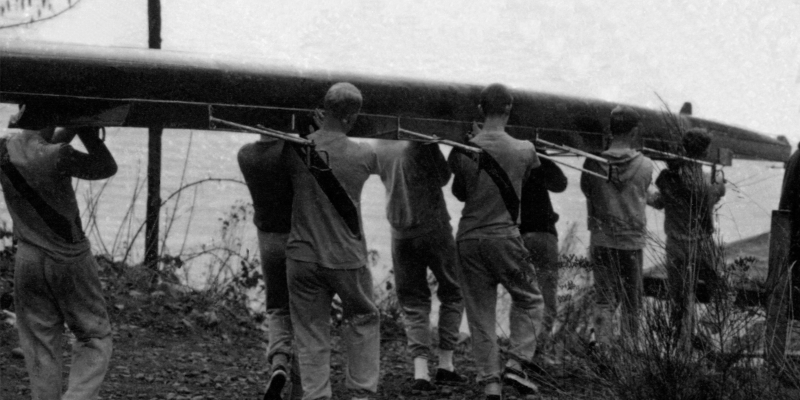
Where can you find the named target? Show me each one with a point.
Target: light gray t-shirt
(319, 234)
(485, 215)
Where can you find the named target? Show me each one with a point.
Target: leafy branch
(28, 4)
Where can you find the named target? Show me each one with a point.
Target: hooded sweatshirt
(687, 195)
(413, 174)
(616, 209)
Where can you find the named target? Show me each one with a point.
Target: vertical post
(153, 154)
(154, 24)
(778, 287)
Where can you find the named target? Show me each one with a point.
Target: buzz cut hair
(342, 100)
(623, 120)
(496, 99)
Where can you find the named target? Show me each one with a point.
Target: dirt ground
(162, 351)
(190, 345)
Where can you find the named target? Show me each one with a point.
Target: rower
(618, 225)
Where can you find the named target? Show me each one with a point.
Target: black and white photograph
(374, 200)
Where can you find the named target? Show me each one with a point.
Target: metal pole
(677, 157)
(573, 150)
(261, 130)
(571, 166)
(153, 155)
(434, 139)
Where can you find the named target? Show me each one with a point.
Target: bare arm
(63, 135)
(655, 199)
(586, 187)
(459, 189)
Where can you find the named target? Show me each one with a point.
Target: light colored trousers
(311, 291)
(484, 264)
(272, 247)
(48, 294)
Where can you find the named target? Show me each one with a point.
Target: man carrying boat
(327, 254)
(263, 167)
(490, 249)
(414, 173)
(618, 225)
(688, 195)
(55, 278)
(538, 229)
(790, 201)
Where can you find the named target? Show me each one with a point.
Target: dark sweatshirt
(263, 166)
(687, 196)
(537, 214)
(790, 201)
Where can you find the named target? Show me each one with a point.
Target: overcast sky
(737, 61)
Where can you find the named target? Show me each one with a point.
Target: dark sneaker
(275, 385)
(421, 386)
(493, 397)
(445, 377)
(519, 380)
(600, 358)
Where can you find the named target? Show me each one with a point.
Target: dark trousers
(688, 263)
(618, 280)
(412, 258)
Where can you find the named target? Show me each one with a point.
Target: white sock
(514, 364)
(493, 388)
(446, 360)
(421, 369)
(280, 360)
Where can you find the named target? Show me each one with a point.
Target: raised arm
(549, 176)
(97, 164)
(437, 162)
(655, 198)
(718, 187)
(459, 189)
(586, 186)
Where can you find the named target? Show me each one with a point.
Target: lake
(194, 218)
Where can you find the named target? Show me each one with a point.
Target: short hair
(496, 99)
(695, 142)
(623, 120)
(342, 100)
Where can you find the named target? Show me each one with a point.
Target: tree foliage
(15, 13)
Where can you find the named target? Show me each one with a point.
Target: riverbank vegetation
(176, 342)
(206, 340)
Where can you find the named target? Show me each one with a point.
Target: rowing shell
(114, 86)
